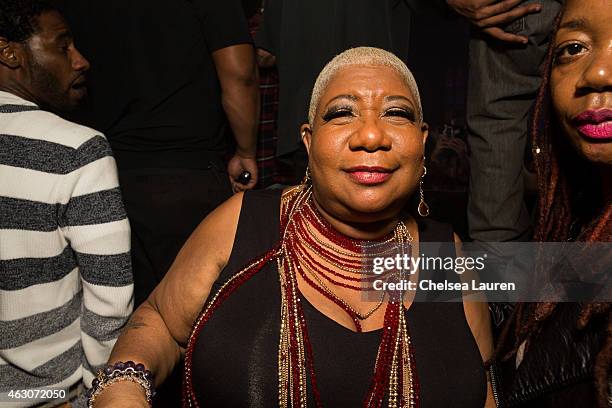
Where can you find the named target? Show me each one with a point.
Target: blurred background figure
(507, 48)
(267, 135)
(300, 37)
(166, 82)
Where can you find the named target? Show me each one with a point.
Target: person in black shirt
(165, 77)
(303, 36)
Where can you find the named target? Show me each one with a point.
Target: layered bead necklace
(310, 236)
(324, 258)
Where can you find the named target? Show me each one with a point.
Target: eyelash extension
(337, 112)
(402, 112)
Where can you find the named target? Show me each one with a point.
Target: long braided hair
(566, 182)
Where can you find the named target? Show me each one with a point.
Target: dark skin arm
(476, 311)
(159, 329)
(237, 72)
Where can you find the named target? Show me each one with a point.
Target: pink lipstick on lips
(369, 175)
(595, 124)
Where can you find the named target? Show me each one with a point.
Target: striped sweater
(66, 286)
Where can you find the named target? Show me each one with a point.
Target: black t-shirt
(154, 87)
(324, 28)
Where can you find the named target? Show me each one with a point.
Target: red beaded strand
(312, 214)
(189, 398)
(313, 264)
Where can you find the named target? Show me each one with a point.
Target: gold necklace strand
(350, 257)
(287, 278)
(308, 202)
(305, 256)
(398, 235)
(299, 337)
(345, 253)
(401, 352)
(288, 195)
(407, 375)
(325, 224)
(408, 384)
(342, 301)
(353, 257)
(299, 340)
(330, 246)
(283, 346)
(361, 271)
(358, 271)
(393, 373)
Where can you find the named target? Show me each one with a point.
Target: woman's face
(581, 78)
(365, 148)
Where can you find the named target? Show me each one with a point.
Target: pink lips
(595, 124)
(369, 175)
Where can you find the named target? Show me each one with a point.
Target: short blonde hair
(362, 56)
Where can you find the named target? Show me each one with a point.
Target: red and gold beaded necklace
(394, 378)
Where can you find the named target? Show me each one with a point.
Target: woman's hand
(265, 59)
(123, 394)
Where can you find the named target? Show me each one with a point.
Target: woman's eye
(337, 113)
(401, 113)
(566, 52)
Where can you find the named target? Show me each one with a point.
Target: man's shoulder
(45, 142)
(38, 124)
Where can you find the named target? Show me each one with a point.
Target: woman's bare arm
(160, 327)
(479, 321)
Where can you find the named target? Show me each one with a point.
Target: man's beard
(48, 89)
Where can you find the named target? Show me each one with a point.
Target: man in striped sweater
(65, 275)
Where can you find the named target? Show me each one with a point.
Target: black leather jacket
(557, 368)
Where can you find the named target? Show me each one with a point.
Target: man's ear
(306, 132)
(9, 53)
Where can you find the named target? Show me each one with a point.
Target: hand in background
(236, 166)
(489, 16)
(265, 59)
(454, 144)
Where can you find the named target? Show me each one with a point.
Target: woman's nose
(370, 136)
(597, 73)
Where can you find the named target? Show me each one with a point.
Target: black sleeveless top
(235, 354)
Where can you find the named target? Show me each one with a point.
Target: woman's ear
(425, 131)
(306, 132)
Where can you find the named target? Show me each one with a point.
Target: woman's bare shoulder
(217, 231)
(182, 293)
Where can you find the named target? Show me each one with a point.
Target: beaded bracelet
(120, 371)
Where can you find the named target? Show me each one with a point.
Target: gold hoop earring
(423, 208)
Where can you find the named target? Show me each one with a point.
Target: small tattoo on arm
(135, 324)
